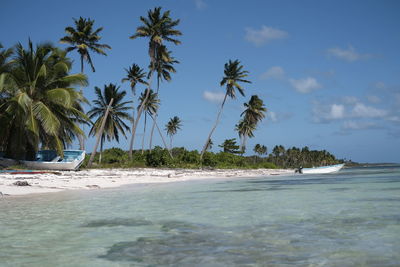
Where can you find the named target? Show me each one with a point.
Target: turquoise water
(351, 218)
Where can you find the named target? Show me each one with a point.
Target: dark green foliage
(295, 157)
(230, 146)
(114, 155)
(158, 157)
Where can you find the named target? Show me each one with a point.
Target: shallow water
(350, 218)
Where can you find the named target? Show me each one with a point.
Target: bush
(158, 157)
(114, 155)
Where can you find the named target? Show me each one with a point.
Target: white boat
(49, 160)
(322, 169)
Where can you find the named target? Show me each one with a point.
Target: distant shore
(106, 178)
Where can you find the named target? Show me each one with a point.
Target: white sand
(106, 178)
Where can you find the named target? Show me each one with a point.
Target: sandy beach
(107, 178)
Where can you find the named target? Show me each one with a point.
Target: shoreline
(90, 179)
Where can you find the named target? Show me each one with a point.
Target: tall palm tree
(41, 106)
(245, 128)
(233, 75)
(114, 124)
(254, 110)
(150, 108)
(158, 28)
(135, 75)
(164, 67)
(172, 127)
(253, 114)
(84, 39)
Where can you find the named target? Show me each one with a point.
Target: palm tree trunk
(81, 139)
(144, 131)
(155, 118)
(99, 134)
(213, 129)
(135, 124)
(101, 148)
(162, 137)
(170, 142)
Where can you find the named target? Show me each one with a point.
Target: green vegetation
(40, 106)
(226, 159)
(115, 120)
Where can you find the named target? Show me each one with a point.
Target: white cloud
(278, 116)
(349, 54)
(305, 85)
(275, 72)
(264, 35)
(200, 4)
(363, 111)
(336, 111)
(216, 97)
(327, 113)
(356, 125)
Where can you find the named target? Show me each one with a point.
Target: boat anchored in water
(321, 170)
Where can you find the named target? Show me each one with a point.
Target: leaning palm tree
(172, 127)
(164, 67)
(233, 74)
(253, 114)
(84, 39)
(158, 28)
(135, 75)
(41, 106)
(150, 108)
(245, 128)
(254, 110)
(114, 124)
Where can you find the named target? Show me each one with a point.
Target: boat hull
(323, 170)
(72, 160)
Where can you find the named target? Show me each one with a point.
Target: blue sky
(328, 71)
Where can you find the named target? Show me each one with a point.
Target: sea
(349, 218)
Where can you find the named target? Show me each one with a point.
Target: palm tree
(260, 149)
(134, 75)
(5, 67)
(245, 128)
(5, 63)
(172, 127)
(158, 28)
(233, 74)
(230, 146)
(41, 107)
(114, 124)
(253, 114)
(84, 39)
(255, 109)
(150, 108)
(164, 67)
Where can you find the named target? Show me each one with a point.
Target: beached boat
(322, 169)
(49, 160)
